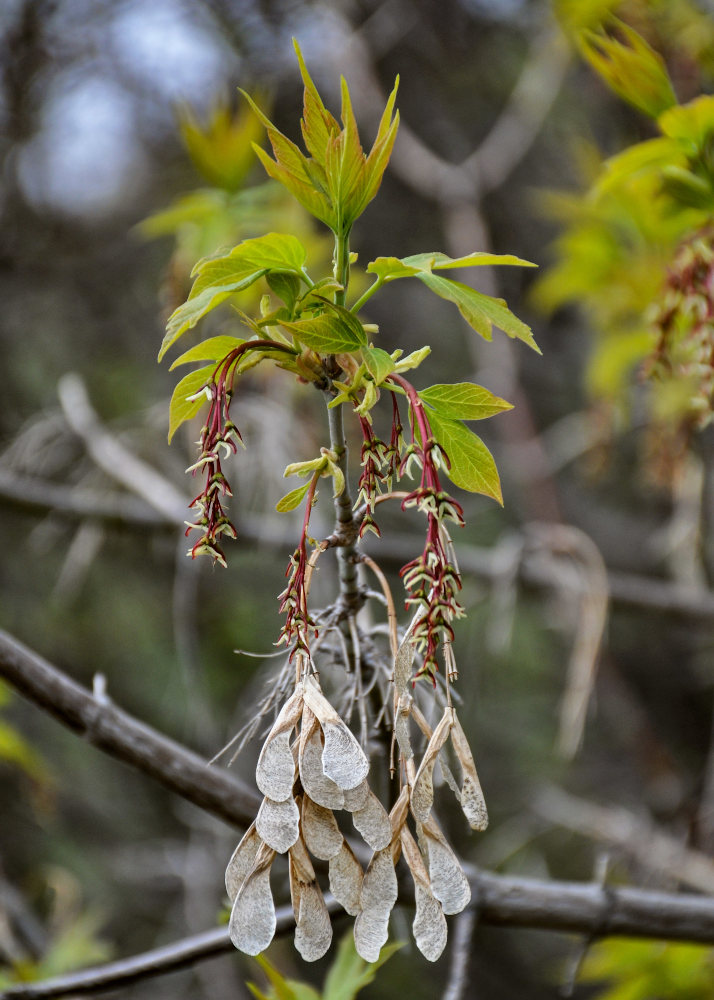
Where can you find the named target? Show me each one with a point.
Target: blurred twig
(633, 835)
(501, 900)
(115, 732)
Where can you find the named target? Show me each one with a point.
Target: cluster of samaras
(324, 769)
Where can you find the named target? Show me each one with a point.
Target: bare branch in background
(637, 838)
(115, 732)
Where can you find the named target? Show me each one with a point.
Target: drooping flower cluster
(380, 465)
(322, 769)
(432, 579)
(219, 432)
(293, 600)
(685, 321)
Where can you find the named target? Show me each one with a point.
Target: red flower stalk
(431, 579)
(218, 432)
(293, 600)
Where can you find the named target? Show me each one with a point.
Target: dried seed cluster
(310, 766)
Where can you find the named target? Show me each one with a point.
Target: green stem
(342, 265)
(366, 296)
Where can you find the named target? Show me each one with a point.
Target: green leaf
(282, 988)
(286, 287)
(690, 123)
(440, 261)
(182, 406)
(219, 277)
(472, 464)
(15, 750)
(630, 67)
(326, 334)
(292, 499)
(212, 349)
(391, 268)
(480, 311)
(349, 973)
(379, 363)
(318, 125)
(463, 401)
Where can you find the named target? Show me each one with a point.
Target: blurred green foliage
(647, 970)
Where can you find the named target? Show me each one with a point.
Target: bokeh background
(116, 112)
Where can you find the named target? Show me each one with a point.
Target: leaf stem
(367, 295)
(345, 522)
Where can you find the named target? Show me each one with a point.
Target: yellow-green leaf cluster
(337, 180)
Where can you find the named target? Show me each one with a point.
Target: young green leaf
(391, 268)
(379, 363)
(480, 311)
(292, 499)
(187, 398)
(219, 277)
(472, 465)
(212, 349)
(463, 401)
(326, 334)
(286, 287)
(349, 973)
(630, 67)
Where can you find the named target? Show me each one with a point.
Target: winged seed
(343, 759)
(275, 772)
(471, 798)
(278, 824)
(242, 861)
(318, 786)
(323, 836)
(346, 876)
(371, 932)
(252, 923)
(355, 798)
(422, 794)
(313, 929)
(448, 882)
(429, 926)
(379, 887)
(403, 666)
(372, 821)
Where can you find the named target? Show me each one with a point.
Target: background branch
(117, 733)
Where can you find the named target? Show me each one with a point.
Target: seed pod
(422, 793)
(318, 786)
(275, 773)
(429, 926)
(313, 930)
(448, 882)
(356, 798)
(278, 824)
(252, 923)
(323, 836)
(242, 861)
(471, 796)
(343, 759)
(372, 821)
(346, 877)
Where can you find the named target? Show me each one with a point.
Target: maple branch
(120, 735)
(589, 909)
